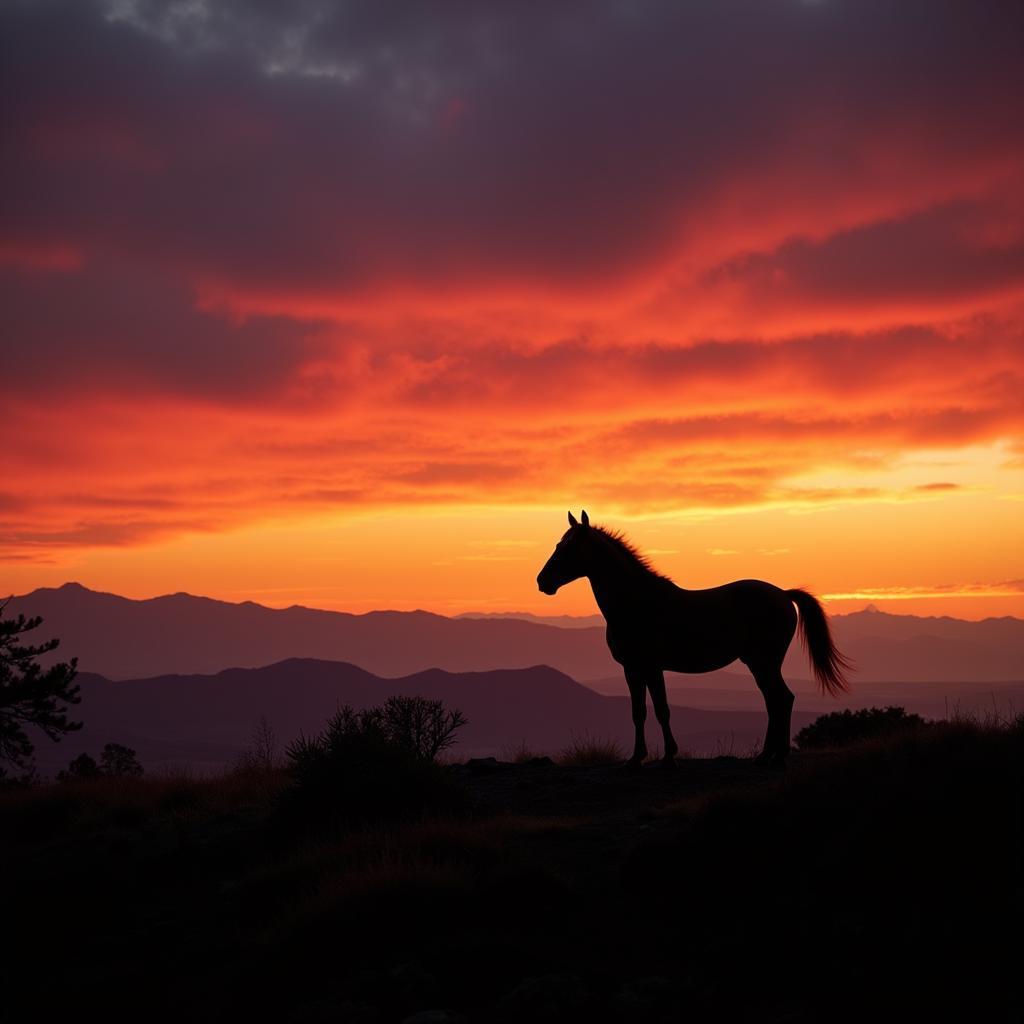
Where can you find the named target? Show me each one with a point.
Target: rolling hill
(205, 721)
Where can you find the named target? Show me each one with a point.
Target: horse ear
(572, 520)
(586, 518)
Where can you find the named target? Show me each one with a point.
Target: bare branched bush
(262, 754)
(374, 764)
(423, 726)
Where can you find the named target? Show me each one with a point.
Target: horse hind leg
(778, 700)
(656, 686)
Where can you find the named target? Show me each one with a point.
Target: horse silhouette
(654, 626)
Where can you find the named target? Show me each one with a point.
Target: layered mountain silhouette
(733, 690)
(205, 721)
(185, 680)
(122, 638)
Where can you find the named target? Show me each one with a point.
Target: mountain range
(179, 633)
(185, 680)
(205, 721)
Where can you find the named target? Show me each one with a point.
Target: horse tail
(829, 665)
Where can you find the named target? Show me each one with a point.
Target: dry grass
(731, 748)
(993, 719)
(405, 870)
(587, 751)
(38, 811)
(519, 753)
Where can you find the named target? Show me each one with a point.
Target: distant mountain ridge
(205, 721)
(563, 621)
(122, 638)
(178, 633)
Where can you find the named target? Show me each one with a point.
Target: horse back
(703, 630)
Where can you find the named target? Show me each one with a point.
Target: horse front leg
(638, 697)
(656, 684)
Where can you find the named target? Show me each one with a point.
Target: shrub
(262, 755)
(116, 762)
(366, 766)
(22, 779)
(422, 726)
(840, 728)
(80, 768)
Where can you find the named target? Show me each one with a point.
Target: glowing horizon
(303, 304)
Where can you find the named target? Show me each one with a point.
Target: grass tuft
(586, 751)
(519, 753)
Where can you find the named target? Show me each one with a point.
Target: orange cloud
(246, 286)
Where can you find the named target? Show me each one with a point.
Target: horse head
(568, 561)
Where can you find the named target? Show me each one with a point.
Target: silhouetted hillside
(121, 638)
(206, 720)
(876, 884)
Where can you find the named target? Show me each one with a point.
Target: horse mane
(625, 547)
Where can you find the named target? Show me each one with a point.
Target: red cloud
(488, 253)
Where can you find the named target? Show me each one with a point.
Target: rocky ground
(613, 792)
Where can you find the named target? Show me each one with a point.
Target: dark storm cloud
(108, 329)
(945, 252)
(348, 146)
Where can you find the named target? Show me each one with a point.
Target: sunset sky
(345, 304)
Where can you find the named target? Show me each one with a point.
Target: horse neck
(618, 580)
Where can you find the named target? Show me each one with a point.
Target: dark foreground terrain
(882, 882)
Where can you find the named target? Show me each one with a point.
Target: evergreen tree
(119, 761)
(30, 695)
(116, 762)
(81, 767)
